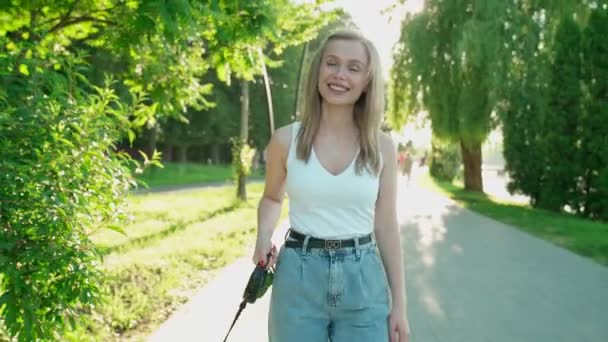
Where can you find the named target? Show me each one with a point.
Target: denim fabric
(338, 295)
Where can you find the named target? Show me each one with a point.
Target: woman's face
(343, 73)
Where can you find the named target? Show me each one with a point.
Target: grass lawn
(175, 244)
(189, 173)
(584, 237)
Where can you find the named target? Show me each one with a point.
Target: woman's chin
(338, 101)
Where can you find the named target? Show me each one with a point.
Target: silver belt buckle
(333, 244)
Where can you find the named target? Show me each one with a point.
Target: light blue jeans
(339, 295)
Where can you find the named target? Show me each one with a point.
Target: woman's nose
(340, 72)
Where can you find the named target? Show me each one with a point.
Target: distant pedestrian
(408, 162)
(423, 159)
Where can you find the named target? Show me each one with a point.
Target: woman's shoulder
(283, 136)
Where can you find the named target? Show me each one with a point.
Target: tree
(288, 24)
(524, 104)
(594, 144)
(447, 63)
(544, 106)
(561, 123)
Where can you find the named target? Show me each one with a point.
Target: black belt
(322, 243)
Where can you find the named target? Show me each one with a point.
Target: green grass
(158, 215)
(174, 174)
(581, 236)
(176, 243)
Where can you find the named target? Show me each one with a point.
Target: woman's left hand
(399, 326)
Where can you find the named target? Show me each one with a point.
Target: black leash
(241, 308)
(259, 281)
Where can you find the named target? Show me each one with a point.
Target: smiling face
(343, 73)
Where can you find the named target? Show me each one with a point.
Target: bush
(60, 181)
(445, 160)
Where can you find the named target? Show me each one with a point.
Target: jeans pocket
(378, 280)
(365, 282)
(380, 265)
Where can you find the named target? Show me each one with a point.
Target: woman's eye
(354, 69)
(330, 63)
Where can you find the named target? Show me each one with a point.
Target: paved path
(468, 278)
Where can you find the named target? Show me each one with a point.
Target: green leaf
(24, 69)
(117, 229)
(144, 156)
(6, 296)
(131, 135)
(72, 321)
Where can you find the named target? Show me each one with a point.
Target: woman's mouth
(337, 87)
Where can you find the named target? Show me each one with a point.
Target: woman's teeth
(337, 87)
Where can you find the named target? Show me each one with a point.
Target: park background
(108, 108)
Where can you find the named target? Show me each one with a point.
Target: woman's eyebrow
(350, 60)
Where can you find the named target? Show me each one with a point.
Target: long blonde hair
(367, 113)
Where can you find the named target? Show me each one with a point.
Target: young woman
(340, 173)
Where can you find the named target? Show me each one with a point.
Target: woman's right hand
(264, 247)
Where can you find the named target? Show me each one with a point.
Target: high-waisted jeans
(338, 295)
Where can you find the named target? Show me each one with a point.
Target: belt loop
(287, 233)
(305, 245)
(357, 249)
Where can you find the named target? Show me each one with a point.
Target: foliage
(553, 106)
(242, 157)
(286, 27)
(445, 160)
(594, 142)
(218, 123)
(537, 66)
(524, 106)
(561, 123)
(60, 182)
(447, 64)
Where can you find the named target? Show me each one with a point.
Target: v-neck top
(325, 205)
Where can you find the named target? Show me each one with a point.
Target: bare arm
(269, 208)
(386, 226)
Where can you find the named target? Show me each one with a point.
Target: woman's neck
(337, 118)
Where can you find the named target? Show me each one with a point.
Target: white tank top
(329, 206)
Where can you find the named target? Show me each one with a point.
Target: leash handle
(241, 308)
(268, 256)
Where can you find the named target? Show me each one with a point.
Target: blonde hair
(367, 113)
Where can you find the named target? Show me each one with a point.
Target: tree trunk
(168, 153)
(215, 153)
(471, 159)
(182, 153)
(242, 179)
